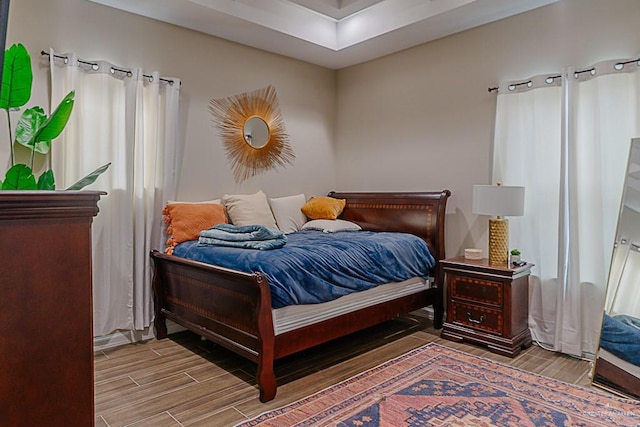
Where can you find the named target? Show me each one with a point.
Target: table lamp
(501, 201)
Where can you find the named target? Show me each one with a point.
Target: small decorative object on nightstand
(515, 256)
(487, 304)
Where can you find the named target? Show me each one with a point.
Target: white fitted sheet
(296, 316)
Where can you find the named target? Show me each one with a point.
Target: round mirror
(256, 132)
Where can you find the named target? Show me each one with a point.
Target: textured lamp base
(498, 241)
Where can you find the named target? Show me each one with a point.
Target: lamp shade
(498, 200)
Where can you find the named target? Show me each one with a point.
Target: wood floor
(184, 381)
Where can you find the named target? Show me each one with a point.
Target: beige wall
(423, 118)
(209, 68)
(420, 119)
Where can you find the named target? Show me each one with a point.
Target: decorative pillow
(185, 221)
(323, 207)
(331, 225)
(249, 209)
(286, 210)
(216, 201)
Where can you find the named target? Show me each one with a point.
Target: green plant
(515, 252)
(34, 130)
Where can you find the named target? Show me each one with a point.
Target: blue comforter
(621, 336)
(315, 267)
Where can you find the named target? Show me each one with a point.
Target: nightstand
(487, 304)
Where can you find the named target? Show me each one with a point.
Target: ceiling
(330, 33)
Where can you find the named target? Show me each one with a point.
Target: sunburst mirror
(252, 131)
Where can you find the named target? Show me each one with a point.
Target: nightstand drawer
(475, 289)
(476, 317)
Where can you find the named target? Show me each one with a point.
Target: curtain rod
(95, 67)
(618, 66)
(529, 82)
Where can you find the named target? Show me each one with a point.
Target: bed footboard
(230, 308)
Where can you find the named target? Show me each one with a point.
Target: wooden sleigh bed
(233, 309)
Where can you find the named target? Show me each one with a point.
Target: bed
(234, 308)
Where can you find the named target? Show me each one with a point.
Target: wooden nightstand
(487, 304)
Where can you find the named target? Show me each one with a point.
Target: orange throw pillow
(323, 207)
(185, 221)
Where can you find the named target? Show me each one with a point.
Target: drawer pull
(476, 321)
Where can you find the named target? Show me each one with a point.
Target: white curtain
(128, 118)
(566, 138)
(527, 153)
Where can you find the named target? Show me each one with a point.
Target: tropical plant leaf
(54, 125)
(47, 181)
(30, 122)
(89, 179)
(36, 130)
(17, 77)
(19, 177)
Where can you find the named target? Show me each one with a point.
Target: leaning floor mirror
(617, 363)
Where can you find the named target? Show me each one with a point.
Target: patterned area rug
(438, 386)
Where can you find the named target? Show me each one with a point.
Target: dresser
(487, 304)
(46, 329)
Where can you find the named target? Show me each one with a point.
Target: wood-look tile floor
(184, 381)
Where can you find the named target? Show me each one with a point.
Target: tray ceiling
(330, 33)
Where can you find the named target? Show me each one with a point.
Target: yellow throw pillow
(185, 221)
(323, 207)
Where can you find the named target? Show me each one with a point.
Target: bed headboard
(419, 213)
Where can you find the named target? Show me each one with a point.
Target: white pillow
(286, 210)
(331, 225)
(249, 209)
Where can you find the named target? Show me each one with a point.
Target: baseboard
(123, 337)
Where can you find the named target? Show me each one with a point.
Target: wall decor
(252, 131)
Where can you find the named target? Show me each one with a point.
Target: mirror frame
(230, 116)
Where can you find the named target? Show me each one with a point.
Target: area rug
(438, 386)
